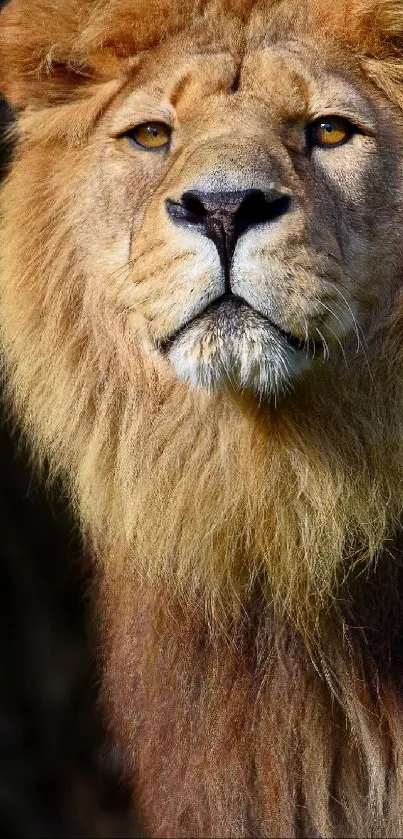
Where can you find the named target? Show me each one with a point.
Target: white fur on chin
(248, 357)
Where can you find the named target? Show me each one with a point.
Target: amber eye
(151, 135)
(328, 132)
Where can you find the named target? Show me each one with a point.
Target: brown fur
(248, 548)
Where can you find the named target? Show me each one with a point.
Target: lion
(201, 319)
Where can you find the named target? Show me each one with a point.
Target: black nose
(224, 216)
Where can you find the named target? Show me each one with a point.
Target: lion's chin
(235, 347)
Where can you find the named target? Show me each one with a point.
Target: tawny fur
(249, 565)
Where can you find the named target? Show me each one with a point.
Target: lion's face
(245, 231)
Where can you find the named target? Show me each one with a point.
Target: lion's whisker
(326, 354)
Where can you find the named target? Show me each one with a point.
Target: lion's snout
(224, 216)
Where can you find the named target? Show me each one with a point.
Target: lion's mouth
(236, 305)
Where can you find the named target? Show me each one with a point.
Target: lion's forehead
(289, 80)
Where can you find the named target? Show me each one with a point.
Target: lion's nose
(224, 216)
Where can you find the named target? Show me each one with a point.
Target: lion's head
(202, 258)
(251, 219)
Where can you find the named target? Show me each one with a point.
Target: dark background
(58, 775)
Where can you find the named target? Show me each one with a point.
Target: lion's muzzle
(224, 216)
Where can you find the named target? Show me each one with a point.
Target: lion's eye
(151, 135)
(328, 132)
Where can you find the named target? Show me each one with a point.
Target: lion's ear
(380, 42)
(379, 27)
(374, 29)
(48, 48)
(37, 50)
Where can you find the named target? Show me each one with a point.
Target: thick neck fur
(252, 733)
